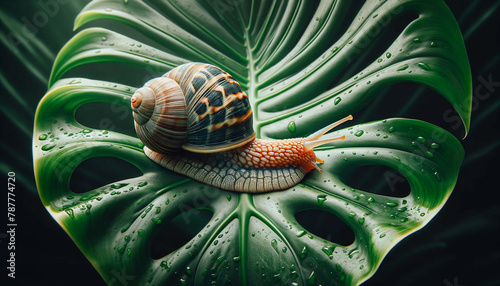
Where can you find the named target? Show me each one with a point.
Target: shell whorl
(195, 106)
(218, 110)
(159, 110)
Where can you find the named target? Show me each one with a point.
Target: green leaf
(303, 67)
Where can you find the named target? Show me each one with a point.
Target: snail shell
(203, 110)
(197, 107)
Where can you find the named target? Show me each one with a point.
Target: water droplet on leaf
(424, 66)
(402, 68)
(292, 126)
(48, 147)
(274, 244)
(303, 252)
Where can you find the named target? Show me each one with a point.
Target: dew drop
(42, 137)
(291, 126)
(424, 66)
(337, 100)
(312, 279)
(303, 252)
(382, 235)
(274, 244)
(70, 213)
(359, 133)
(118, 186)
(48, 147)
(435, 146)
(353, 252)
(391, 204)
(228, 197)
(388, 55)
(121, 249)
(438, 177)
(328, 249)
(284, 249)
(361, 220)
(402, 68)
(421, 139)
(321, 199)
(416, 40)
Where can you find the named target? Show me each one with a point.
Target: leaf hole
(326, 225)
(106, 116)
(413, 100)
(179, 231)
(377, 179)
(99, 171)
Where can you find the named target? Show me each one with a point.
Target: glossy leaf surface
(303, 67)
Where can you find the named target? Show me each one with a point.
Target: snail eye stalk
(314, 141)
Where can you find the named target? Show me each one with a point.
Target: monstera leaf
(303, 66)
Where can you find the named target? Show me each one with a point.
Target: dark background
(460, 246)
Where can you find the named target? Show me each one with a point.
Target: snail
(197, 121)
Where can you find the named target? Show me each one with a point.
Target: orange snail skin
(196, 120)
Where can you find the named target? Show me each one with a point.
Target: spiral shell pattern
(219, 114)
(159, 110)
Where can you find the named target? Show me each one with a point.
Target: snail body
(197, 121)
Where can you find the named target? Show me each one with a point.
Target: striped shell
(197, 107)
